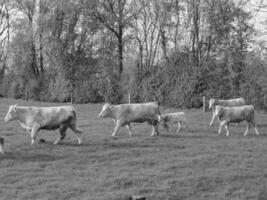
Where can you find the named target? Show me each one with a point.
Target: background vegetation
(172, 51)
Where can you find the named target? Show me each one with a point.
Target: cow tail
(77, 130)
(253, 121)
(184, 122)
(160, 116)
(74, 114)
(165, 124)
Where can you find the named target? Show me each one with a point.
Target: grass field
(195, 164)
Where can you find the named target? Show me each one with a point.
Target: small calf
(227, 115)
(174, 118)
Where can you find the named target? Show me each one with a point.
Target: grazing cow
(227, 115)
(34, 119)
(225, 103)
(125, 114)
(174, 118)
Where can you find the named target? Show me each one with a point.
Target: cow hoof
(41, 140)
(56, 142)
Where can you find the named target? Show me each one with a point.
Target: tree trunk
(120, 51)
(41, 55)
(120, 35)
(33, 61)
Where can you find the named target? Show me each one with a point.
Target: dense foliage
(172, 51)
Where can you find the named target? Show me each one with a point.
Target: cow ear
(15, 107)
(220, 111)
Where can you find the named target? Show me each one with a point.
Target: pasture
(195, 164)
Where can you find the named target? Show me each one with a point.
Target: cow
(33, 119)
(226, 103)
(174, 118)
(125, 114)
(227, 115)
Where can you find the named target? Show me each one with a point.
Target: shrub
(59, 90)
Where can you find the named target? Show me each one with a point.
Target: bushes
(59, 90)
(178, 83)
(12, 86)
(88, 92)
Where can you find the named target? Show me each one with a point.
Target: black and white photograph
(133, 99)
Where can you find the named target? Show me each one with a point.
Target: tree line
(171, 51)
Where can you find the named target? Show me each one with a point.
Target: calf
(125, 114)
(225, 103)
(174, 118)
(34, 119)
(227, 115)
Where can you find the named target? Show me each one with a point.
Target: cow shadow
(72, 144)
(131, 143)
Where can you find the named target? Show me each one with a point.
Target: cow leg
(223, 123)
(153, 130)
(179, 127)
(246, 131)
(220, 128)
(34, 131)
(213, 117)
(184, 124)
(62, 132)
(129, 129)
(118, 125)
(155, 126)
(227, 131)
(254, 125)
(77, 132)
(256, 130)
(168, 127)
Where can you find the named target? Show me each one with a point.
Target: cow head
(219, 111)
(212, 102)
(12, 113)
(106, 110)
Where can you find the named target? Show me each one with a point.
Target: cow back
(238, 114)
(231, 102)
(137, 112)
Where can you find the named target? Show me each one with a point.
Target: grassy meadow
(196, 164)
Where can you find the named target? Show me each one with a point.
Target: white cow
(125, 114)
(225, 103)
(174, 118)
(227, 115)
(34, 119)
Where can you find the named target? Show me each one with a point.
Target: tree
(5, 31)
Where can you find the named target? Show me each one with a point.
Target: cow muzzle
(7, 119)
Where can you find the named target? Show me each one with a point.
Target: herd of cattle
(34, 119)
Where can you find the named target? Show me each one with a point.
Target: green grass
(195, 164)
